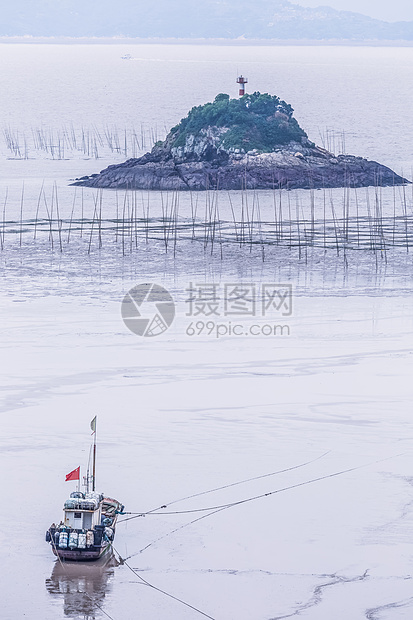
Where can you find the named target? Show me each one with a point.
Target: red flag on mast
(74, 475)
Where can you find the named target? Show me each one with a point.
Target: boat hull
(82, 555)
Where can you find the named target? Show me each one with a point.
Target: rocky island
(249, 143)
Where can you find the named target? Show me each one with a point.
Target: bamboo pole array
(362, 221)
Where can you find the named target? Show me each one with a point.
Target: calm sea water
(180, 414)
(364, 91)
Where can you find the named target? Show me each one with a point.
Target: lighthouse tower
(242, 81)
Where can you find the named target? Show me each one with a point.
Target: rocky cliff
(250, 143)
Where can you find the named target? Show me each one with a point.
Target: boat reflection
(82, 586)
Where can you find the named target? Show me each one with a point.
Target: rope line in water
(181, 527)
(150, 585)
(216, 509)
(227, 486)
(97, 605)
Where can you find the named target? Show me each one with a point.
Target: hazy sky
(394, 10)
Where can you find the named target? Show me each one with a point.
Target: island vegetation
(256, 121)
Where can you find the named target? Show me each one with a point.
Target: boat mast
(86, 478)
(94, 464)
(93, 427)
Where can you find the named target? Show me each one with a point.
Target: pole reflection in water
(82, 586)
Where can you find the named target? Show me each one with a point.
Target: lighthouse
(242, 81)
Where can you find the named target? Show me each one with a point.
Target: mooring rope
(216, 509)
(97, 605)
(136, 515)
(150, 585)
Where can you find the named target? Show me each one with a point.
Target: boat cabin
(82, 511)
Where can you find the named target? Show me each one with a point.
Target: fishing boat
(87, 530)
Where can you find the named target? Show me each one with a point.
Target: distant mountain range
(250, 19)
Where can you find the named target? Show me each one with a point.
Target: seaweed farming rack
(373, 220)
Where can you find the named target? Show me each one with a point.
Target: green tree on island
(257, 121)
